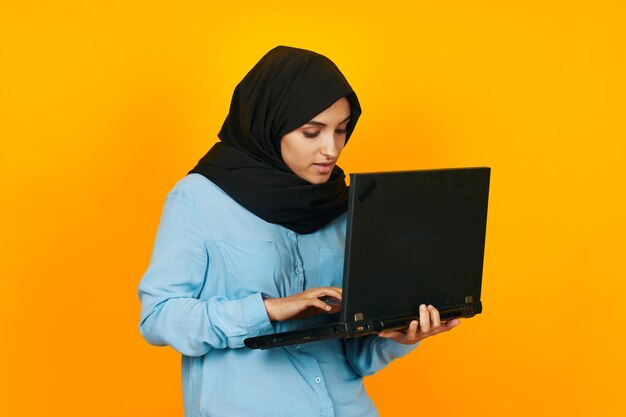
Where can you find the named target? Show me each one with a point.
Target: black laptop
(413, 237)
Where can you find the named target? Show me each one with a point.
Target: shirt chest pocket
(330, 272)
(250, 266)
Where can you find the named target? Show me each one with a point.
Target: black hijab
(287, 88)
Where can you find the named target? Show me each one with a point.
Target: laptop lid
(414, 237)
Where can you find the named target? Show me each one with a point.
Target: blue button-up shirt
(202, 294)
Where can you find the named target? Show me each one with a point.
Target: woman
(251, 242)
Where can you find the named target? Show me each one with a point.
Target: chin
(317, 179)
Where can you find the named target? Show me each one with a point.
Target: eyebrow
(314, 123)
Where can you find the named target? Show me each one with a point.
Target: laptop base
(353, 329)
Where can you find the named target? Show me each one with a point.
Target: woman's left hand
(429, 325)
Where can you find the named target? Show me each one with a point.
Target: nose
(329, 146)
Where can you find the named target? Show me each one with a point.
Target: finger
(452, 324)
(317, 303)
(334, 308)
(435, 319)
(390, 334)
(424, 319)
(330, 300)
(328, 292)
(411, 332)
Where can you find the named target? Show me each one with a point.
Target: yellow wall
(104, 106)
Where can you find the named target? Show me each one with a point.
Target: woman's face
(312, 150)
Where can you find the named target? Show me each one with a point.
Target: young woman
(251, 242)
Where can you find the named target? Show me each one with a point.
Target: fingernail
(423, 307)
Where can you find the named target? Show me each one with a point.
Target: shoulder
(217, 210)
(198, 189)
(199, 193)
(195, 184)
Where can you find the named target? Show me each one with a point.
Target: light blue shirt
(202, 294)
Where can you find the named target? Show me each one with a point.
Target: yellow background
(105, 105)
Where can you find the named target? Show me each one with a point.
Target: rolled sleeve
(368, 355)
(239, 319)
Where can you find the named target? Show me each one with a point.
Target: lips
(324, 168)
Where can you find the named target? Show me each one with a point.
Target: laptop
(413, 237)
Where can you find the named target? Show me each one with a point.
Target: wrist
(268, 302)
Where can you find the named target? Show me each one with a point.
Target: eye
(341, 131)
(310, 135)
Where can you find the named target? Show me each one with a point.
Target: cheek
(292, 152)
(341, 143)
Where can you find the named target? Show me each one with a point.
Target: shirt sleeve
(368, 355)
(171, 311)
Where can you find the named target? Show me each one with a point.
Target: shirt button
(298, 270)
(318, 379)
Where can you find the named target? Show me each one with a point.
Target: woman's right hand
(304, 305)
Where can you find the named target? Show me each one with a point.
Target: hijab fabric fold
(287, 88)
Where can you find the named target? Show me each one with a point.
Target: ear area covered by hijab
(287, 88)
